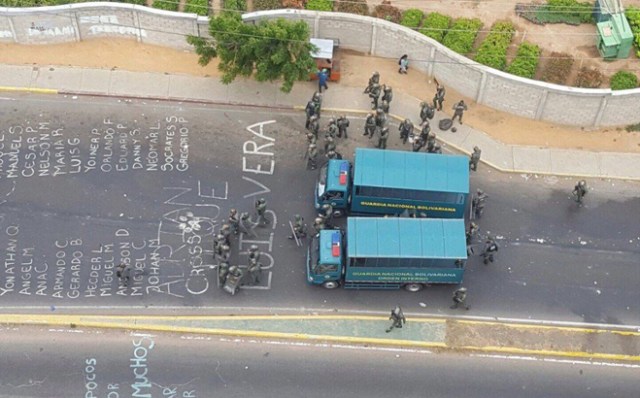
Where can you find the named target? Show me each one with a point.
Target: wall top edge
(95, 5)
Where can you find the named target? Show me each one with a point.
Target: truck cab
(325, 257)
(334, 186)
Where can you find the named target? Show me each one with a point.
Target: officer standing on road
(318, 224)
(374, 79)
(223, 271)
(254, 254)
(490, 248)
(247, 226)
(370, 125)
(427, 112)
(381, 118)
(374, 94)
(478, 203)
(255, 267)
(431, 141)
(384, 136)
(332, 128)
(406, 129)
(317, 101)
(475, 159)
(384, 106)
(309, 110)
(311, 155)
(225, 252)
(458, 110)
(425, 129)
(436, 149)
(299, 228)
(261, 210)
(343, 124)
(472, 232)
(460, 298)
(233, 220)
(329, 144)
(418, 143)
(314, 125)
(438, 99)
(327, 214)
(387, 94)
(579, 191)
(311, 139)
(397, 316)
(225, 231)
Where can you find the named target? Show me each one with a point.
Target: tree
(269, 50)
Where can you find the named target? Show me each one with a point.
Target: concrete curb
(175, 324)
(29, 90)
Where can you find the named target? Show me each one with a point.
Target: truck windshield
(314, 255)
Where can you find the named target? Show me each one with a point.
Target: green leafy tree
(270, 50)
(623, 80)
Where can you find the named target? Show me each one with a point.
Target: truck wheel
(330, 285)
(413, 287)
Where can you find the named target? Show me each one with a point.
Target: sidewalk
(339, 99)
(438, 334)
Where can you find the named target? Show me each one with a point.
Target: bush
(387, 12)
(526, 61)
(557, 68)
(435, 25)
(633, 16)
(623, 80)
(266, 5)
(462, 34)
(235, 5)
(493, 50)
(169, 5)
(359, 7)
(412, 18)
(320, 5)
(570, 12)
(589, 78)
(200, 7)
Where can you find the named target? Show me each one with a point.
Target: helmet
(423, 104)
(261, 200)
(332, 120)
(474, 225)
(387, 88)
(225, 227)
(324, 70)
(244, 215)
(582, 183)
(326, 206)
(376, 73)
(319, 220)
(225, 247)
(312, 145)
(462, 289)
(476, 149)
(233, 211)
(480, 191)
(253, 247)
(219, 237)
(297, 217)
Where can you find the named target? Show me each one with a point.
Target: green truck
(385, 182)
(388, 253)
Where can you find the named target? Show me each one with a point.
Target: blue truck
(388, 253)
(385, 182)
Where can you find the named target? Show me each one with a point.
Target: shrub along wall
(526, 61)
(320, 5)
(435, 25)
(200, 7)
(493, 50)
(633, 16)
(462, 34)
(412, 18)
(624, 80)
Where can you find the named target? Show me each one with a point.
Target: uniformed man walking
(472, 232)
(397, 318)
(318, 224)
(311, 139)
(233, 220)
(343, 124)
(475, 158)
(329, 144)
(438, 99)
(431, 141)
(490, 249)
(384, 136)
(425, 129)
(225, 231)
(406, 129)
(579, 192)
(374, 94)
(384, 105)
(255, 267)
(374, 79)
(309, 110)
(311, 155)
(326, 212)
(314, 125)
(332, 128)
(247, 226)
(427, 112)
(317, 101)
(418, 143)
(436, 149)
(478, 203)
(223, 272)
(381, 118)
(299, 228)
(387, 94)
(261, 210)
(460, 298)
(370, 125)
(458, 110)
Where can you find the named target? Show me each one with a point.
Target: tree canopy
(269, 50)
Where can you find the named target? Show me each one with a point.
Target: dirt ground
(356, 68)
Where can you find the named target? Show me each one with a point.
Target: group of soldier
(337, 128)
(222, 244)
(322, 221)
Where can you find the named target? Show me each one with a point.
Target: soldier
(397, 316)
(225, 231)
(311, 139)
(381, 118)
(374, 94)
(579, 191)
(384, 135)
(254, 254)
(458, 110)
(460, 298)
(246, 226)
(261, 210)
(309, 110)
(225, 253)
(436, 149)
(233, 220)
(255, 272)
(418, 143)
(317, 101)
(329, 144)
(406, 129)
(472, 232)
(385, 107)
(387, 93)
(318, 224)
(426, 111)
(332, 128)
(314, 125)
(327, 214)
(370, 125)
(475, 158)
(311, 154)
(374, 79)
(478, 203)
(425, 129)
(490, 248)
(438, 99)
(218, 241)
(299, 228)
(343, 123)
(431, 141)
(235, 271)
(223, 271)
(332, 154)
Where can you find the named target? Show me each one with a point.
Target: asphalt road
(53, 363)
(87, 183)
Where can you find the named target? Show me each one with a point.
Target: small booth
(325, 58)
(615, 39)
